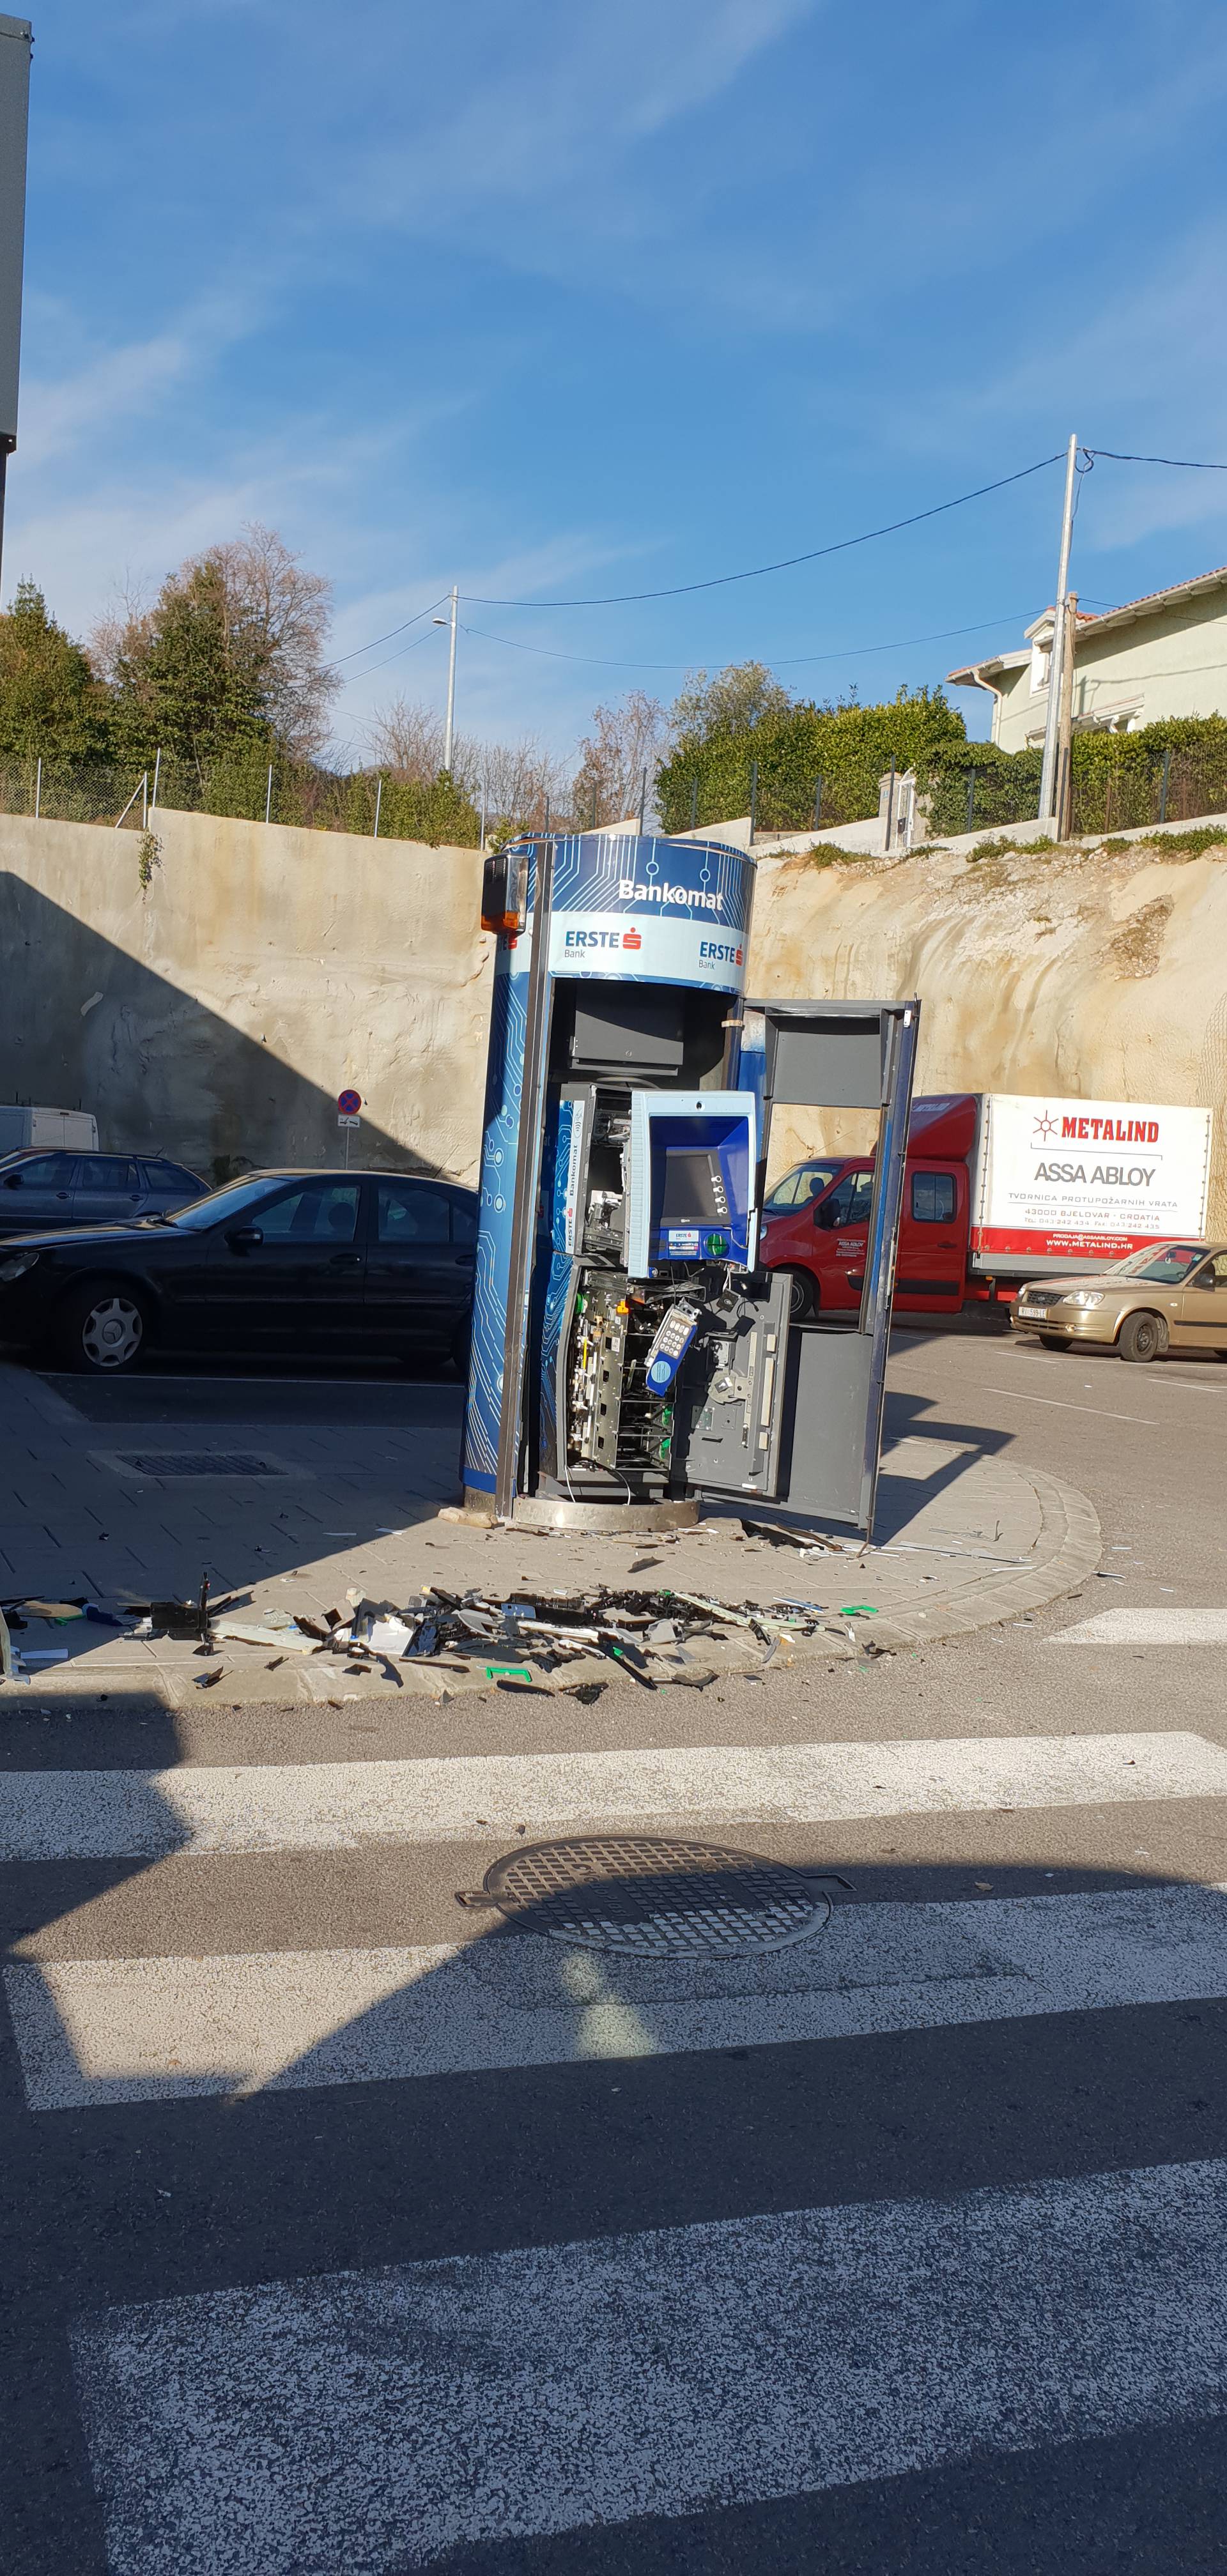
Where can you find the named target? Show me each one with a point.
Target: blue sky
(578, 298)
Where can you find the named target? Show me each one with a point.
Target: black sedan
(343, 1264)
(38, 1190)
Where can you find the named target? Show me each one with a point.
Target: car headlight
(17, 1264)
(1087, 1297)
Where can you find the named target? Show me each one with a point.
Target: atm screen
(690, 1184)
(692, 1190)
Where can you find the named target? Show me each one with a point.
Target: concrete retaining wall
(218, 1014)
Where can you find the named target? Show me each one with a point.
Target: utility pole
(1063, 804)
(1056, 659)
(449, 728)
(15, 44)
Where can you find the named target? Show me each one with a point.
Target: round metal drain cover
(654, 1899)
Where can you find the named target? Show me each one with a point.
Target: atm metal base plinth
(558, 1512)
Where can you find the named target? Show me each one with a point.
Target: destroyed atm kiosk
(628, 1356)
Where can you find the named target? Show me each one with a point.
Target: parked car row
(1168, 1296)
(38, 1190)
(347, 1264)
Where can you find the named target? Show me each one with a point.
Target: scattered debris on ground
(549, 1639)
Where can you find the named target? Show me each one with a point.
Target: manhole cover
(651, 1898)
(195, 1462)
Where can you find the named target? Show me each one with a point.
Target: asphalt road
(349, 2229)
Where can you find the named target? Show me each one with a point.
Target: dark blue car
(342, 1264)
(38, 1190)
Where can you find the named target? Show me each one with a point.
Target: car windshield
(221, 1205)
(1166, 1263)
(806, 1181)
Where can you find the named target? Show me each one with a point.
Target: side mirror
(826, 1214)
(12, 1180)
(245, 1238)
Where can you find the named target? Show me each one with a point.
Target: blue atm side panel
(504, 1076)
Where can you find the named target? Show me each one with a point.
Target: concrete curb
(1068, 1548)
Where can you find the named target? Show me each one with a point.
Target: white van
(22, 1127)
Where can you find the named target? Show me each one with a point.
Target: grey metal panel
(731, 1444)
(902, 1033)
(827, 1401)
(825, 1065)
(14, 104)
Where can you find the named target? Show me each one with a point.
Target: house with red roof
(1164, 655)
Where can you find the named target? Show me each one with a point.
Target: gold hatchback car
(1171, 1294)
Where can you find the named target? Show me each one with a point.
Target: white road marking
(1147, 1628)
(95, 2031)
(435, 2406)
(340, 1806)
(1018, 1395)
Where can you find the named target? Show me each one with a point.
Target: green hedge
(848, 747)
(1118, 779)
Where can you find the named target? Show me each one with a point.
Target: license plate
(1031, 1314)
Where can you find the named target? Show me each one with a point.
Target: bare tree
(625, 741)
(517, 783)
(521, 783)
(290, 609)
(407, 741)
(235, 636)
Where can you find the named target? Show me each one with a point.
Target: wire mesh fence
(131, 792)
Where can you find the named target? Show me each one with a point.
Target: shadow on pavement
(142, 2202)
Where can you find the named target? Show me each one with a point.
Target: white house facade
(1165, 655)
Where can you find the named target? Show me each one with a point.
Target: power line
(787, 662)
(553, 653)
(1189, 464)
(720, 581)
(398, 656)
(415, 620)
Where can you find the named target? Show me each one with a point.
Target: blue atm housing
(693, 1157)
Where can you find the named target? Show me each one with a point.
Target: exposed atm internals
(652, 1228)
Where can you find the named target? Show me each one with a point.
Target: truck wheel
(102, 1329)
(1142, 1337)
(802, 1297)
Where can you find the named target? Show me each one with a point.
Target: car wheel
(802, 1297)
(1142, 1337)
(1054, 1341)
(103, 1330)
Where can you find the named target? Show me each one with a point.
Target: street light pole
(1056, 658)
(451, 685)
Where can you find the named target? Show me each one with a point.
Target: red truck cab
(816, 1219)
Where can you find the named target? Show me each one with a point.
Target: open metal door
(813, 1430)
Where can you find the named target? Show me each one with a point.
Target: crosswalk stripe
(91, 2032)
(340, 1806)
(411, 2411)
(1147, 1628)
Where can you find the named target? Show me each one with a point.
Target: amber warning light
(503, 889)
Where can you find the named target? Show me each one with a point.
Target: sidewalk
(299, 1513)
